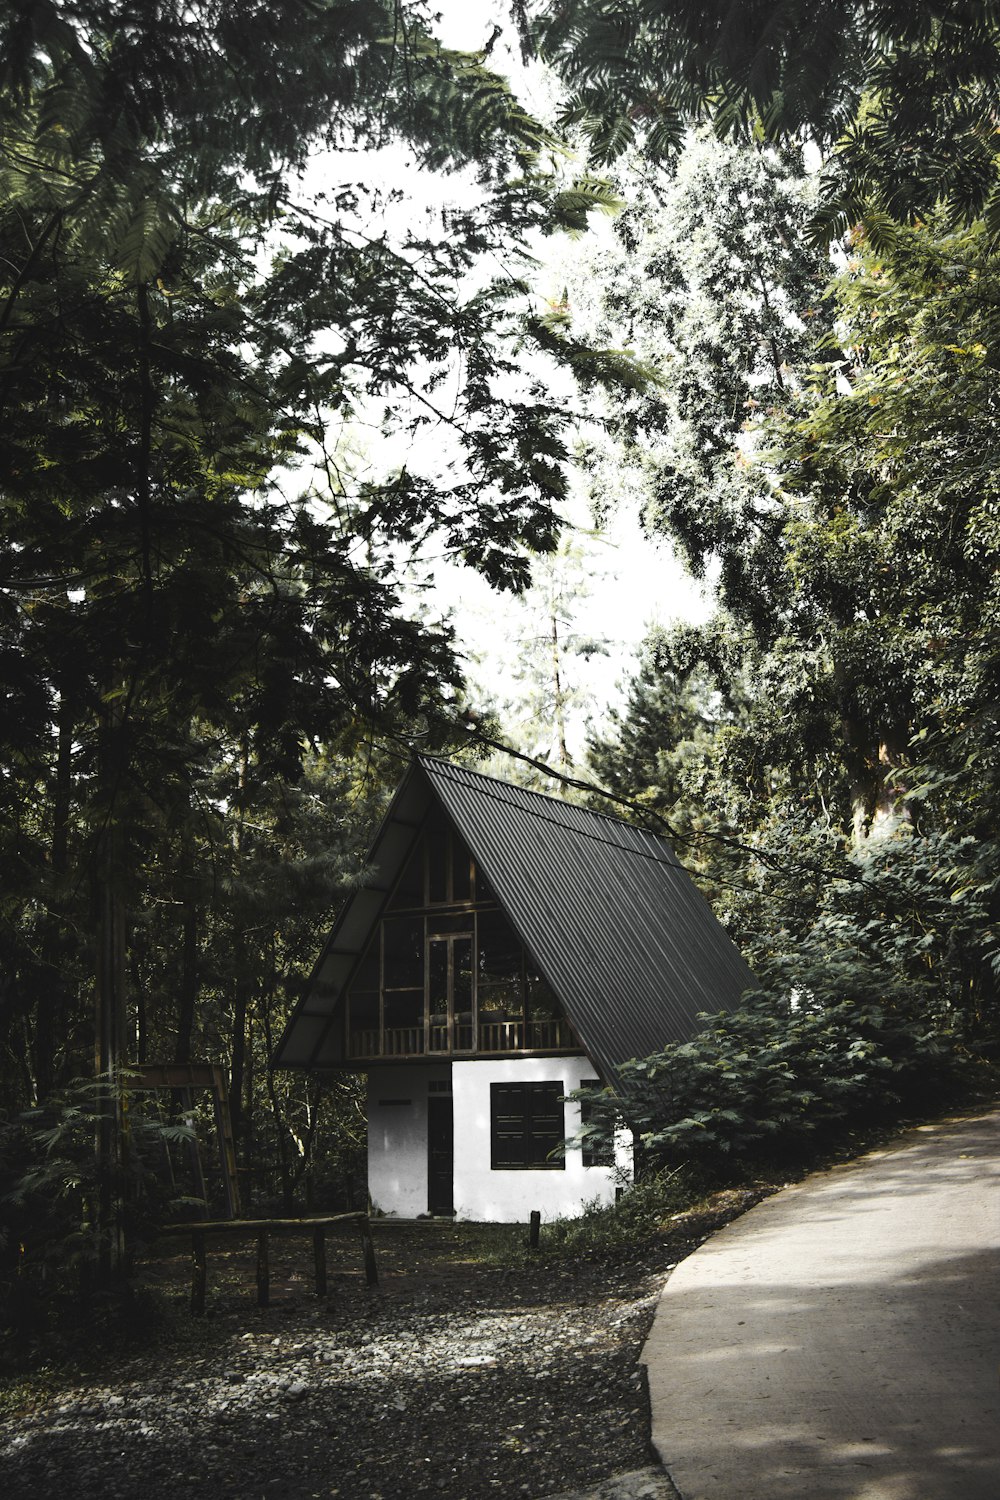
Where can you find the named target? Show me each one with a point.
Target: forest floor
(456, 1377)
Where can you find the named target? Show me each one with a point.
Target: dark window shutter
(546, 1125)
(526, 1125)
(507, 1139)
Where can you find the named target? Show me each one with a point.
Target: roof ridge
(590, 812)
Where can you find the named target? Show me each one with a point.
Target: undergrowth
(624, 1229)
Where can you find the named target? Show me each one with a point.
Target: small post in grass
(534, 1225)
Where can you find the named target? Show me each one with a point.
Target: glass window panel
(498, 968)
(404, 1008)
(496, 1003)
(366, 975)
(459, 921)
(437, 976)
(542, 1004)
(403, 952)
(410, 890)
(462, 980)
(364, 1010)
(499, 951)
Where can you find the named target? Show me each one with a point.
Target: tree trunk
(188, 998)
(109, 1030)
(559, 700)
(64, 785)
(141, 1013)
(241, 998)
(248, 1110)
(878, 788)
(51, 1007)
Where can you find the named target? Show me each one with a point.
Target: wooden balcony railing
(404, 1041)
(496, 1038)
(521, 1036)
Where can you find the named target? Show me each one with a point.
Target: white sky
(634, 583)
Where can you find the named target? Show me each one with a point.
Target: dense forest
(240, 396)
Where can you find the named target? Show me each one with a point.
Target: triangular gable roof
(616, 925)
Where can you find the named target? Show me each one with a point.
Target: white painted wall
(397, 1143)
(508, 1197)
(397, 1137)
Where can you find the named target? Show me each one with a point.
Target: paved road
(841, 1341)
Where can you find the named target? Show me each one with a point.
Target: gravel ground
(452, 1378)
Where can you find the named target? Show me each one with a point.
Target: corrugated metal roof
(614, 922)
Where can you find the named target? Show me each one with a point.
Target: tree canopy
(242, 385)
(219, 351)
(905, 95)
(824, 745)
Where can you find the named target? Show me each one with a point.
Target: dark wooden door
(440, 1155)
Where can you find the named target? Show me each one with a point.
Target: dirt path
(455, 1378)
(841, 1341)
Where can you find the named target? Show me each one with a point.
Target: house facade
(502, 949)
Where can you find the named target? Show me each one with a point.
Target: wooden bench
(261, 1230)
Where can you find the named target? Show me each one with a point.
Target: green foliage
(865, 650)
(775, 1082)
(552, 646)
(49, 1238)
(624, 1230)
(202, 620)
(854, 652)
(658, 750)
(875, 1006)
(902, 97)
(842, 802)
(709, 282)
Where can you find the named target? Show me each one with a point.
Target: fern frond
(147, 239)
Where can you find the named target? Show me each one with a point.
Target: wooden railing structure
(495, 1038)
(261, 1230)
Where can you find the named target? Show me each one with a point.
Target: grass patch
(624, 1230)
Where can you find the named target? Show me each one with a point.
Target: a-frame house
(502, 948)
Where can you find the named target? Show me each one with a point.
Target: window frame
(537, 1099)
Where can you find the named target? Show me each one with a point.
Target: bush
(48, 1238)
(624, 1229)
(779, 1080)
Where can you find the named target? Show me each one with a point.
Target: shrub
(779, 1079)
(624, 1229)
(48, 1237)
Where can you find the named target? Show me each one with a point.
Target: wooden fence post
(368, 1250)
(534, 1225)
